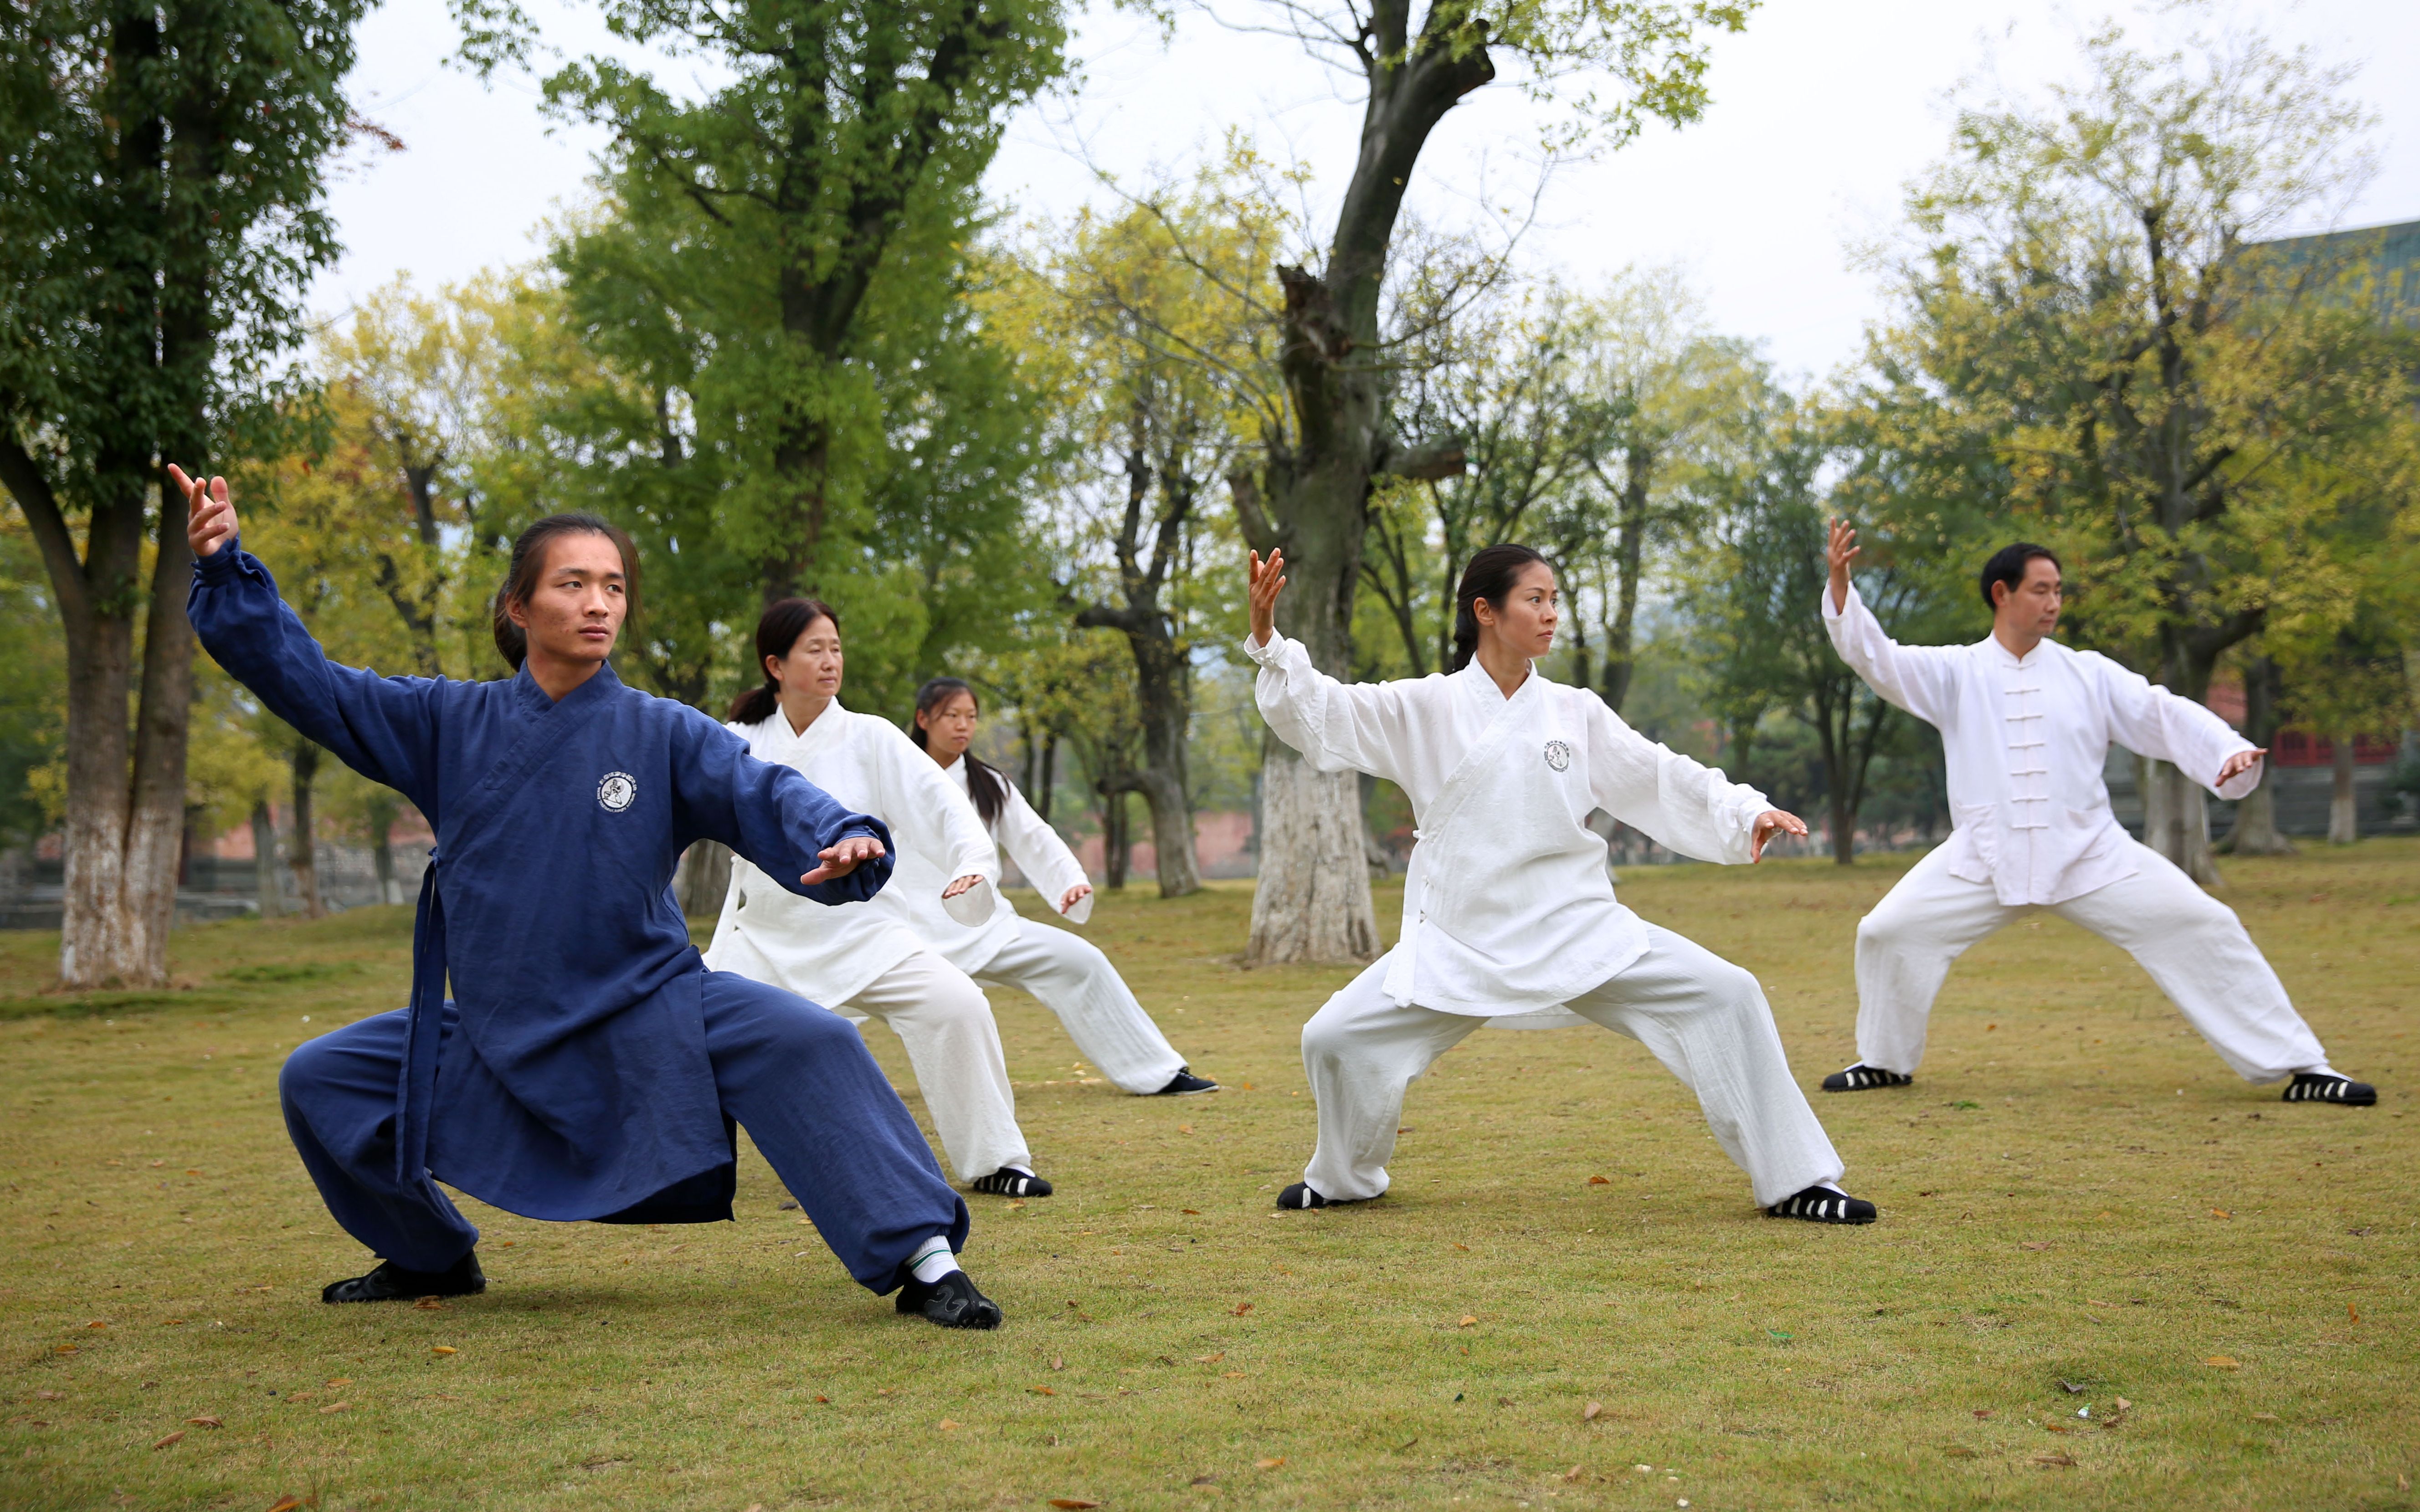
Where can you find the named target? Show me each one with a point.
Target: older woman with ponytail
(1509, 912)
(871, 961)
(1063, 971)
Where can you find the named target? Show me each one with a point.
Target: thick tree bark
(701, 879)
(267, 889)
(2344, 809)
(1629, 553)
(2176, 820)
(379, 821)
(1116, 844)
(1312, 496)
(303, 852)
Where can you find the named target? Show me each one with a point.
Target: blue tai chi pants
(798, 1079)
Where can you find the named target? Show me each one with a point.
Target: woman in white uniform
(1508, 907)
(1063, 972)
(868, 960)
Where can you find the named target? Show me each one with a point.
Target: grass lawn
(1566, 1301)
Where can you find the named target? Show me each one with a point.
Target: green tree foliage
(794, 237)
(2091, 348)
(162, 175)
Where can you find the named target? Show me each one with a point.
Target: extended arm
(785, 825)
(1336, 726)
(1685, 806)
(2151, 721)
(1043, 857)
(1919, 679)
(961, 849)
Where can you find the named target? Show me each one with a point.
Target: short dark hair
(2007, 565)
(529, 560)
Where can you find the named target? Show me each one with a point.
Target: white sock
(1831, 1186)
(933, 1262)
(2323, 1068)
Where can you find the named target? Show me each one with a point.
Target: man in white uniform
(2027, 724)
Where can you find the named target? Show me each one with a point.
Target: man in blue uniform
(587, 1065)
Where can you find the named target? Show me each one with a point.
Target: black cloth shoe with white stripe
(952, 1302)
(390, 1282)
(2310, 1088)
(1300, 1197)
(1184, 1084)
(1008, 1182)
(1821, 1205)
(1861, 1077)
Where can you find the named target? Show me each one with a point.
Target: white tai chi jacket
(2026, 738)
(830, 955)
(1509, 905)
(1038, 852)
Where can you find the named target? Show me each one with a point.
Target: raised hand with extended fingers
(1267, 578)
(210, 516)
(1838, 553)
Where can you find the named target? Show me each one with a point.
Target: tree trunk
(2176, 820)
(702, 880)
(1629, 553)
(1116, 851)
(2256, 832)
(264, 862)
(1172, 836)
(303, 856)
(2344, 811)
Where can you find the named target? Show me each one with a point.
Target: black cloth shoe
(1821, 1205)
(1861, 1077)
(1008, 1182)
(952, 1302)
(1184, 1084)
(1300, 1197)
(390, 1282)
(2308, 1086)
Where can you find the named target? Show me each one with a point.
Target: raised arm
(1680, 804)
(1043, 857)
(1920, 679)
(384, 727)
(2150, 720)
(786, 827)
(1362, 727)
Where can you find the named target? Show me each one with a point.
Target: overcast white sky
(1822, 111)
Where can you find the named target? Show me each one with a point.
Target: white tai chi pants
(2192, 944)
(1071, 978)
(1704, 1018)
(945, 1022)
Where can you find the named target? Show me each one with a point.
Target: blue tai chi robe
(588, 1066)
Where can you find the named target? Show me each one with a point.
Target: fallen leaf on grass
(1234, 1374)
(1269, 1464)
(2266, 1417)
(1589, 1413)
(2353, 1312)
(948, 1424)
(1467, 1321)
(1959, 1451)
(62, 1349)
(1599, 1180)
(444, 1348)
(1073, 1502)
(50, 1396)
(825, 1400)
(205, 1422)
(1572, 1474)
(1042, 1391)
(2220, 1213)
(1211, 1359)
(1195, 1212)
(1464, 1249)
(430, 1304)
(1243, 1307)
(286, 1503)
(2067, 1461)
(2125, 1406)
(2058, 1427)
(336, 1407)
(2073, 1388)
(2035, 1243)
(1981, 1413)
(1058, 1363)
(177, 1437)
(2224, 1361)
(96, 1323)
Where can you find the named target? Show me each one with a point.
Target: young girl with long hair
(1509, 912)
(588, 1066)
(870, 961)
(1063, 971)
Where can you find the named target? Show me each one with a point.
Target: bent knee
(1733, 986)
